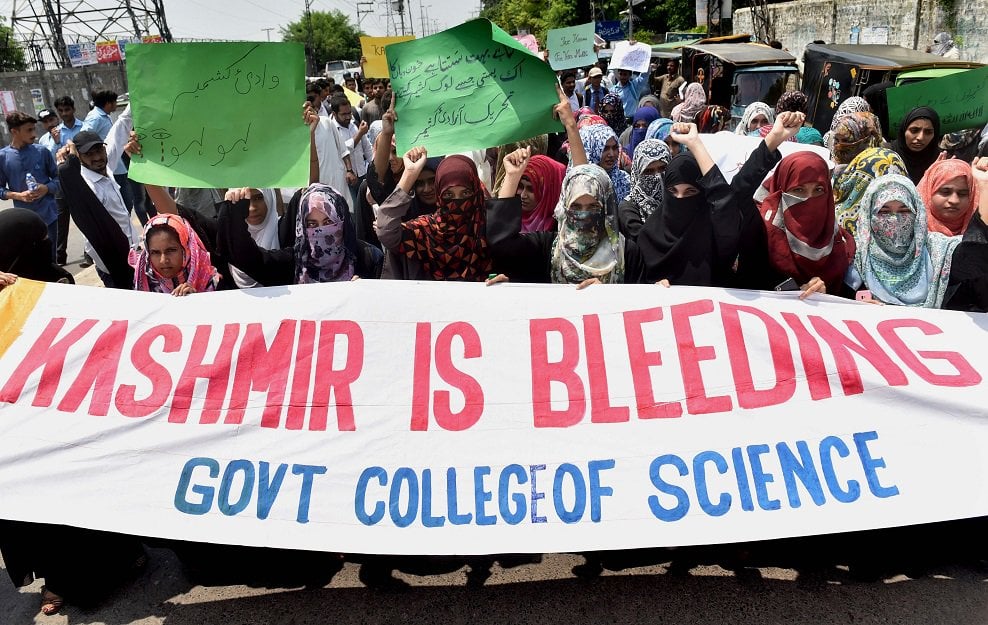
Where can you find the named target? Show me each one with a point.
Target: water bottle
(32, 184)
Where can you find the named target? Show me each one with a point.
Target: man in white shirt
(92, 153)
(355, 138)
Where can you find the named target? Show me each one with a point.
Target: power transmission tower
(363, 8)
(45, 27)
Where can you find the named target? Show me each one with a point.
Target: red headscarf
(197, 269)
(451, 243)
(939, 174)
(546, 176)
(804, 240)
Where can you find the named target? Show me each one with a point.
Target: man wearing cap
(22, 157)
(49, 140)
(594, 91)
(52, 140)
(98, 208)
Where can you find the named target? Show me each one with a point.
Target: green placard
(468, 88)
(960, 99)
(219, 115)
(571, 47)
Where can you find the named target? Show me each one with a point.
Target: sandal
(50, 602)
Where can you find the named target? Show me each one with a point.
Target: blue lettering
(481, 496)
(308, 472)
(516, 516)
(741, 474)
(827, 447)
(700, 478)
(580, 489)
(182, 502)
(683, 505)
(596, 490)
(402, 475)
(802, 468)
(223, 501)
(359, 500)
(455, 517)
(267, 489)
(870, 464)
(427, 519)
(536, 494)
(761, 478)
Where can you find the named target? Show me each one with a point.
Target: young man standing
(569, 89)
(631, 90)
(22, 157)
(355, 138)
(667, 88)
(594, 91)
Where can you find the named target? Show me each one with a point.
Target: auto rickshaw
(736, 74)
(834, 72)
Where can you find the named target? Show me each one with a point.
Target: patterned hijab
(897, 259)
(853, 134)
(854, 104)
(615, 118)
(713, 119)
(751, 112)
(451, 243)
(694, 100)
(588, 244)
(647, 191)
(594, 139)
(804, 240)
(939, 174)
(324, 253)
(852, 183)
(197, 269)
(791, 101)
(546, 177)
(659, 129)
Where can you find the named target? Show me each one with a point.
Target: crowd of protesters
(628, 193)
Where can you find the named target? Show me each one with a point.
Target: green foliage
(327, 36)
(12, 57)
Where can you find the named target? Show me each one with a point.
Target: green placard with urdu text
(469, 87)
(219, 115)
(961, 100)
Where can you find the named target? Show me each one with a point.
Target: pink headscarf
(939, 174)
(197, 269)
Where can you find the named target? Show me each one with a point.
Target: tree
(327, 36)
(11, 53)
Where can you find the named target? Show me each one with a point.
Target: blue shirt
(631, 93)
(65, 135)
(14, 166)
(99, 122)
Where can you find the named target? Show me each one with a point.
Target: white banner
(631, 57)
(730, 151)
(399, 417)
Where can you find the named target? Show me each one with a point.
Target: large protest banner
(961, 100)
(571, 47)
(219, 115)
(469, 87)
(518, 418)
(372, 48)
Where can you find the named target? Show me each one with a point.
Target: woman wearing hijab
(967, 289)
(756, 115)
(539, 190)
(854, 134)
(174, 260)
(694, 100)
(644, 116)
(943, 45)
(25, 250)
(603, 149)
(449, 244)
(792, 101)
(808, 135)
(612, 110)
(897, 258)
(800, 235)
(694, 237)
(651, 159)
(587, 248)
(318, 241)
(918, 141)
(713, 119)
(854, 104)
(950, 195)
(851, 184)
(262, 225)
(538, 144)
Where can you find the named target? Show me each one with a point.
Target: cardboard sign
(635, 58)
(571, 47)
(373, 50)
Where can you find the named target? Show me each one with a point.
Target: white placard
(635, 57)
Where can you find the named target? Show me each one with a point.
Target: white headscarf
(750, 112)
(265, 234)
